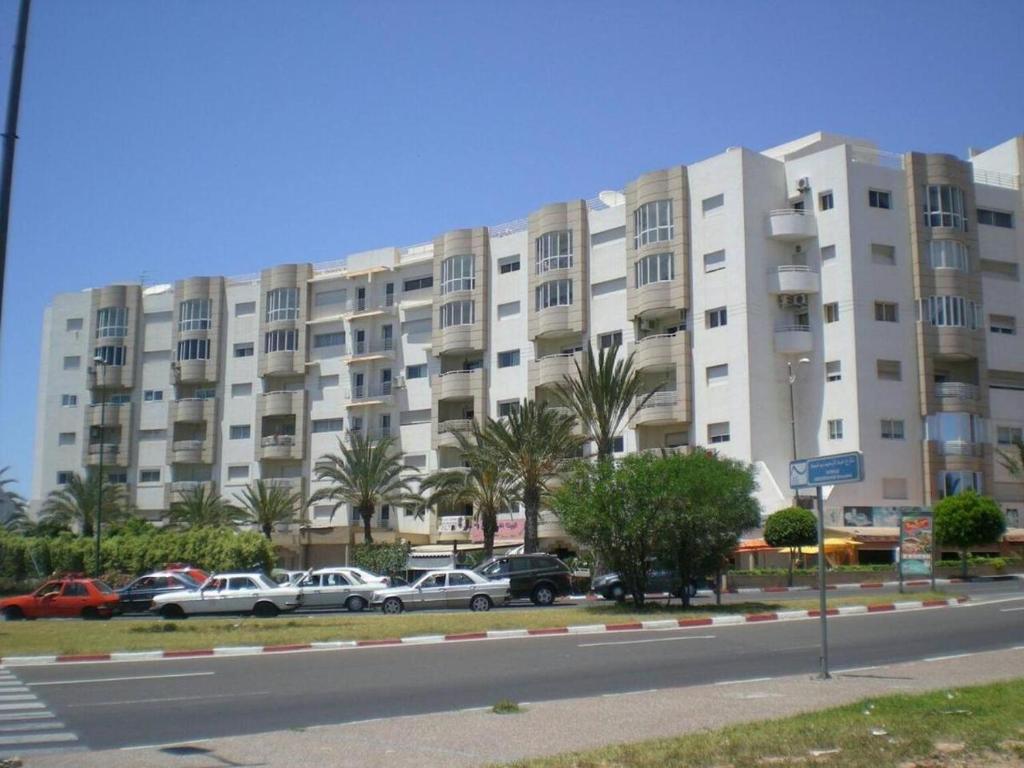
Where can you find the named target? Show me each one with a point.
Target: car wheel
(355, 604)
(13, 613)
(618, 593)
(543, 595)
(480, 603)
(265, 610)
(90, 613)
(393, 606)
(172, 611)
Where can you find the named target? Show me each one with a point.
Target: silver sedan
(333, 588)
(444, 589)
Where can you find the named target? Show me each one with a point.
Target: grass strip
(977, 727)
(72, 637)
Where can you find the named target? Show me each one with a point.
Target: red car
(67, 597)
(198, 575)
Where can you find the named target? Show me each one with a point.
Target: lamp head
(804, 360)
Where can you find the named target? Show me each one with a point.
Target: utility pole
(10, 136)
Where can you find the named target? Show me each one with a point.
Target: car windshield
(356, 577)
(264, 581)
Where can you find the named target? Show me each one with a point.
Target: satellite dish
(612, 198)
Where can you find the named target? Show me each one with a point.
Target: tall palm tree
(75, 503)
(364, 473)
(533, 443)
(267, 504)
(12, 505)
(202, 507)
(603, 394)
(486, 483)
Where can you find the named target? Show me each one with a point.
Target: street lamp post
(792, 413)
(100, 364)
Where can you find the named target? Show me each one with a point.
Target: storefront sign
(509, 529)
(915, 545)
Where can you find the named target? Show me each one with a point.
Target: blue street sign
(827, 470)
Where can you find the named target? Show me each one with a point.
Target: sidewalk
(475, 738)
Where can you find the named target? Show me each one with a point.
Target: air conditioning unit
(799, 299)
(399, 381)
(803, 184)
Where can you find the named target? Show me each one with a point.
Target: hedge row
(214, 549)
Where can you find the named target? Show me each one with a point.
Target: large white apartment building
(886, 286)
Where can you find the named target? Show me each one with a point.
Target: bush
(387, 559)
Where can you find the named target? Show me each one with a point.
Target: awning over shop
(832, 544)
(754, 545)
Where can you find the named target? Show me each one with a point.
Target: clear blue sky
(184, 138)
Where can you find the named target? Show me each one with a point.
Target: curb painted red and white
(493, 634)
(857, 585)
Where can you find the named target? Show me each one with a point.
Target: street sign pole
(822, 604)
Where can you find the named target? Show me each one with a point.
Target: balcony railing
(459, 372)
(454, 425)
(110, 405)
(365, 348)
(195, 399)
(792, 268)
(96, 448)
(363, 392)
(954, 390)
(188, 445)
(959, 448)
(277, 440)
(660, 398)
(380, 433)
(655, 337)
(792, 328)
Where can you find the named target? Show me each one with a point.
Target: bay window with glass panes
(652, 223)
(282, 304)
(457, 313)
(111, 322)
(948, 254)
(458, 274)
(656, 268)
(195, 315)
(950, 311)
(553, 251)
(554, 293)
(954, 482)
(944, 207)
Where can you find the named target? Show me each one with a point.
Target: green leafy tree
(534, 443)
(615, 510)
(364, 474)
(792, 528)
(12, 505)
(967, 520)
(267, 505)
(602, 395)
(74, 504)
(202, 507)
(485, 483)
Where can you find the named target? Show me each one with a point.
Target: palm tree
(12, 505)
(75, 503)
(533, 443)
(202, 507)
(1013, 459)
(364, 473)
(486, 483)
(601, 394)
(268, 504)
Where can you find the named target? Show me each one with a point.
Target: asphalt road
(112, 705)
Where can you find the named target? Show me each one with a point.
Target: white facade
(769, 285)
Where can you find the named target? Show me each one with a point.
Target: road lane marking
(23, 705)
(655, 640)
(1010, 610)
(748, 680)
(628, 693)
(996, 601)
(121, 679)
(31, 726)
(17, 697)
(6, 718)
(37, 738)
(168, 744)
(169, 698)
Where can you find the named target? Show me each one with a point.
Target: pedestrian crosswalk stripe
(23, 705)
(17, 697)
(36, 738)
(25, 722)
(31, 726)
(8, 716)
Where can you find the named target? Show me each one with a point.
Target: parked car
(367, 577)
(444, 589)
(138, 595)
(289, 578)
(334, 588)
(252, 593)
(664, 580)
(540, 577)
(198, 575)
(67, 597)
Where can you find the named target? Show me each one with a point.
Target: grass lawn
(979, 727)
(27, 638)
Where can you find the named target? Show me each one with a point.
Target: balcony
(193, 410)
(954, 390)
(364, 395)
(292, 484)
(555, 321)
(793, 339)
(552, 369)
(457, 338)
(448, 429)
(959, 448)
(366, 351)
(175, 489)
(372, 435)
(107, 452)
(280, 447)
(282, 402)
(660, 408)
(660, 350)
(459, 384)
(791, 225)
(793, 279)
(109, 415)
(190, 452)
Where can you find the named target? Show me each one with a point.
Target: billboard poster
(509, 529)
(915, 545)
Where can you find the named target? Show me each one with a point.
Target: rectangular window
(714, 261)
(111, 322)
(952, 311)
(894, 488)
(878, 198)
(281, 341)
(887, 312)
(238, 472)
(892, 429)
(828, 252)
(330, 298)
(330, 380)
(1005, 435)
(328, 425)
(321, 340)
(414, 461)
(656, 268)
(458, 273)
(505, 407)
(554, 293)
(66, 438)
(508, 309)
(995, 218)
(955, 481)
(835, 429)
(64, 477)
(718, 432)
(825, 201)
(245, 349)
(416, 371)
(149, 435)
(418, 283)
(1005, 324)
(245, 308)
(553, 250)
(883, 254)
(508, 264)
(113, 356)
(652, 223)
(1003, 270)
(149, 475)
(73, 324)
(717, 317)
(717, 374)
(832, 312)
(117, 478)
(607, 340)
(509, 359)
(194, 349)
(195, 315)
(241, 390)
(153, 395)
(69, 401)
(709, 204)
(618, 444)
(282, 304)
(890, 370)
(834, 370)
(72, 362)
(240, 431)
(457, 313)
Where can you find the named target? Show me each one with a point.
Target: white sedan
(335, 588)
(230, 593)
(445, 589)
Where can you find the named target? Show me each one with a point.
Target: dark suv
(539, 577)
